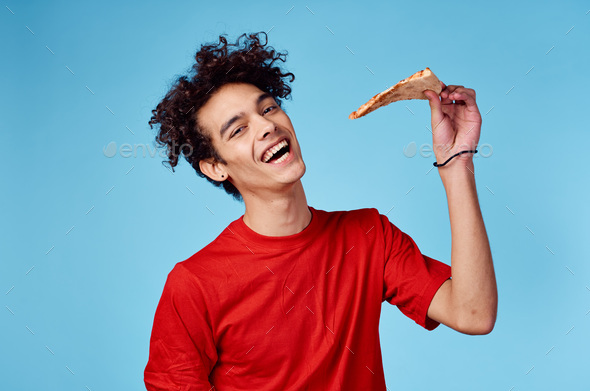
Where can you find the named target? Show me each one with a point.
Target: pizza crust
(412, 87)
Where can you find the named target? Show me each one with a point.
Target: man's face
(255, 137)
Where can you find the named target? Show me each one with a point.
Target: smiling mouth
(277, 154)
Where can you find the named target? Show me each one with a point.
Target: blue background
(87, 240)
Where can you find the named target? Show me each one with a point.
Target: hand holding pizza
(455, 118)
(456, 122)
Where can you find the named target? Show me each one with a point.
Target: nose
(266, 127)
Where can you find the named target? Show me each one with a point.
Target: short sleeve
(182, 349)
(410, 279)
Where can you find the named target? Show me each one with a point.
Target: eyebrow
(233, 119)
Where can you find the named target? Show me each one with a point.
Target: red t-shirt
(298, 312)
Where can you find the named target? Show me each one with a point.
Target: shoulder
(210, 261)
(350, 216)
(350, 221)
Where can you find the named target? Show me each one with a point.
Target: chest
(292, 313)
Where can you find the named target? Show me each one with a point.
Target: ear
(213, 169)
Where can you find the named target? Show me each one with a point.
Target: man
(288, 297)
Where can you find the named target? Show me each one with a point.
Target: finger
(460, 95)
(449, 90)
(436, 112)
(459, 89)
(463, 90)
(445, 100)
(453, 87)
(463, 96)
(444, 95)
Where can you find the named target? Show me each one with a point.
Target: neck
(281, 214)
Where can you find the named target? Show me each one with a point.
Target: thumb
(435, 107)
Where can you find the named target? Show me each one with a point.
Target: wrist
(460, 168)
(461, 154)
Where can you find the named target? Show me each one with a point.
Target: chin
(294, 175)
(302, 169)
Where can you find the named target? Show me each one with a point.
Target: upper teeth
(274, 150)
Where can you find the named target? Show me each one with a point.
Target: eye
(238, 130)
(269, 109)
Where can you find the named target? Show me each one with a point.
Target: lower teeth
(282, 158)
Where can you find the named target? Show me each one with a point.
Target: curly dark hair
(216, 64)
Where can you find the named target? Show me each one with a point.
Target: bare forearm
(473, 289)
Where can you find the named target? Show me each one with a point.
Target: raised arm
(468, 301)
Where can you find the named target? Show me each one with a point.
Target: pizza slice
(412, 87)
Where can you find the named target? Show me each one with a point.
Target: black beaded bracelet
(449, 159)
